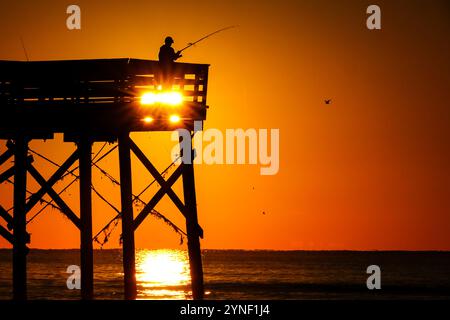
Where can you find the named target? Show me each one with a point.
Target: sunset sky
(370, 171)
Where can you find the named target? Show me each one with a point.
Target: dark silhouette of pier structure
(92, 101)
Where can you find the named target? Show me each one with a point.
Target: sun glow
(174, 118)
(170, 98)
(162, 274)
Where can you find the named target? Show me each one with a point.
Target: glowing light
(171, 98)
(162, 274)
(167, 98)
(149, 98)
(148, 119)
(174, 118)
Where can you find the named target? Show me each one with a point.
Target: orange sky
(369, 171)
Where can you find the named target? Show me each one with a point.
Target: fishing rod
(24, 49)
(205, 37)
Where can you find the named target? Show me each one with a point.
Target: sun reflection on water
(162, 274)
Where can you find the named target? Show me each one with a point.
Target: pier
(91, 101)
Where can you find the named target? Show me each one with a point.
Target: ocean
(235, 274)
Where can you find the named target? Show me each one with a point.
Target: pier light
(174, 118)
(148, 98)
(148, 119)
(170, 98)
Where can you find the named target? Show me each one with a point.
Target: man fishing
(167, 54)
(167, 57)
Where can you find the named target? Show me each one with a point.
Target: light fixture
(164, 98)
(174, 118)
(171, 98)
(148, 98)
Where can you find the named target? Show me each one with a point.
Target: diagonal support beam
(7, 217)
(7, 174)
(52, 193)
(34, 199)
(155, 173)
(158, 196)
(6, 235)
(5, 156)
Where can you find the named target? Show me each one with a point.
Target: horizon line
(236, 249)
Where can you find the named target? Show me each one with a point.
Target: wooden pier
(91, 101)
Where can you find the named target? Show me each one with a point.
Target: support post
(86, 248)
(129, 266)
(19, 220)
(192, 228)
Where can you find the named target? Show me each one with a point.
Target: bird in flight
(328, 101)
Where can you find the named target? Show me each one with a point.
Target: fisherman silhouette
(167, 53)
(167, 56)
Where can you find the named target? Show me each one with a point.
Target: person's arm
(174, 55)
(177, 55)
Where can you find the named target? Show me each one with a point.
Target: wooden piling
(129, 266)
(87, 261)
(192, 227)
(19, 220)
